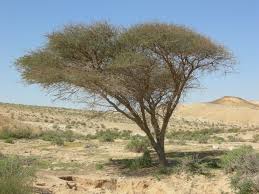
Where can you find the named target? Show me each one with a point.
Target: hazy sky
(234, 23)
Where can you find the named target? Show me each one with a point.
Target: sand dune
(235, 101)
(227, 109)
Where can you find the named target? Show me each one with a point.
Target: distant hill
(228, 109)
(235, 101)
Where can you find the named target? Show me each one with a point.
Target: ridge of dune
(235, 101)
(227, 109)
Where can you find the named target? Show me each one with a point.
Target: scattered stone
(72, 185)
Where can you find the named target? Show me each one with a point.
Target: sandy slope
(226, 109)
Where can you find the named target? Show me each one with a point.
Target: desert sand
(72, 168)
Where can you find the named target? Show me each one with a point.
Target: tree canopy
(141, 71)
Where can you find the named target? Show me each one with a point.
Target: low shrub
(14, 177)
(58, 137)
(235, 139)
(109, 135)
(231, 160)
(218, 139)
(201, 136)
(244, 163)
(193, 165)
(256, 138)
(99, 166)
(9, 140)
(19, 133)
(234, 130)
(137, 144)
(142, 162)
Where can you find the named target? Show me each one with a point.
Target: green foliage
(9, 140)
(218, 139)
(193, 165)
(99, 166)
(138, 144)
(14, 177)
(234, 130)
(244, 186)
(142, 162)
(21, 133)
(58, 137)
(125, 134)
(58, 141)
(244, 162)
(256, 138)
(109, 135)
(201, 136)
(232, 138)
(232, 160)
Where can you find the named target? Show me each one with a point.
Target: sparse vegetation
(244, 163)
(15, 178)
(109, 135)
(142, 162)
(17, 132)
(201, 136)
(256, 138)
(138, 144)
(99, 166)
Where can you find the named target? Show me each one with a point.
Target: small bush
(108, 135)
(193, 165)
(218, 139)
(14, 177)
(137, 144)
(231, 160)
(201, 136)
(99, 166)
(234, 130)
(256, 138)
(142, 162)
(235, 139)
(125, 134)
(20, 133)
(9, 140)
(59, 136)
(244, 162)
(58, 141)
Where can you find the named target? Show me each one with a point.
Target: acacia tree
(141, 71)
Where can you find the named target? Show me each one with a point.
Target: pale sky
(234, 23)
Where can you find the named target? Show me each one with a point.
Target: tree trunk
(161, 155)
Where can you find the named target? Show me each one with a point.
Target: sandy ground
(71, 168)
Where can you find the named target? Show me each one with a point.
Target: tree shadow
(194, 161)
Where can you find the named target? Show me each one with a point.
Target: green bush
(9, 140)
(234, 130)
(218, 139)
(23, 133)
(244, 163)
(125, 134)
(235, 139)
(99, 166)
(256, 138)
(138, 144)
(231, 160)
(14, 177)
(193, 165)
(58, 137)
(201, 136)
(108, 135)
(58, 141)
(142, 162)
